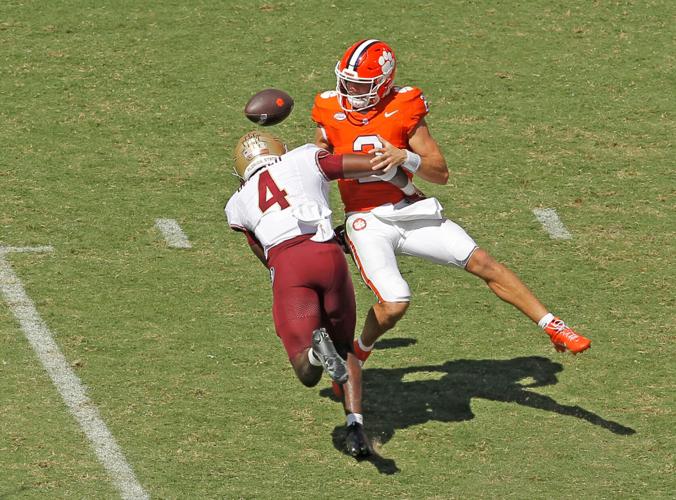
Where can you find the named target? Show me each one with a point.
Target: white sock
(362, 346)
(312, 357)
(544, 321)
(355, 417)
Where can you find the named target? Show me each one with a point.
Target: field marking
(173, 233)
(552, 224)
(67, 383)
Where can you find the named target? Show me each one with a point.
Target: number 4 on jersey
(266, 184)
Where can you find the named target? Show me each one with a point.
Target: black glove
(340, 236)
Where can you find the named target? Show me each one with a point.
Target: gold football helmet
(255, 150)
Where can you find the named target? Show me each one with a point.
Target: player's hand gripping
(387, 157)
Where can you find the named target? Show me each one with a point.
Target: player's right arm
(321, 110)
(236, 221)
(257, 249)
(355, 166)
(321, 140)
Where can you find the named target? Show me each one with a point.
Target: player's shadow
(395, 343)
(14, 493)
(401, 397)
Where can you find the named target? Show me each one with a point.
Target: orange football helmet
(365, 75)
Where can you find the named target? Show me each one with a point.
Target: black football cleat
(356, 443)
(333, 364)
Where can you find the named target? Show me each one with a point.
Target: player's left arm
(432, 166)
(427, 160)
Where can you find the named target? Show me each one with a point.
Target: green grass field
(117, 113)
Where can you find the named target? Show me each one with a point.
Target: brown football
(269, 107)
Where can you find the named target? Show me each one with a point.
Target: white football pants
(376, 242)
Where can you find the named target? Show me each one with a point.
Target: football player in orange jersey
(367, 113)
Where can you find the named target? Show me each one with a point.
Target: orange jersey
(393, 118)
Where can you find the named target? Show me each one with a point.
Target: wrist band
(412, 162)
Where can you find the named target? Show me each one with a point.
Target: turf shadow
(395, 343)
(15, 493)
(401, 397)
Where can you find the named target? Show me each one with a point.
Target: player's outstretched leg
(506, 285)
(333, 364)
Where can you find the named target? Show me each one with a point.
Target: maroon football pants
(311, 288)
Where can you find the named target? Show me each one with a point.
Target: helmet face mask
(364, 75)
(256, 150)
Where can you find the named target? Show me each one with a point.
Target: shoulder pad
(407, 93)
(328, 94)
(325, 99)
(325, 106)
(413, 96)
(304, 148)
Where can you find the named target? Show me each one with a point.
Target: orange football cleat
(563, 337)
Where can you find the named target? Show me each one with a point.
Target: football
(269, 107)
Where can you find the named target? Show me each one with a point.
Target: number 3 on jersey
(266, 184)
(364, 144)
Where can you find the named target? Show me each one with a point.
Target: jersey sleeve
(236, 222)
(321, 107)
(415, 106)
(330, 165)
(317, 111)
(232, 214)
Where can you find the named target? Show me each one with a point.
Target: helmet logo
(253, 147)
(386, 62)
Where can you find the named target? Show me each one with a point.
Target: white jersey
(286, 199)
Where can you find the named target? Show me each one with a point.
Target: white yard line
(552, 224)
(67, 383)
(173, 233)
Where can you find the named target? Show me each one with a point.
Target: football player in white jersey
(282, 206)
